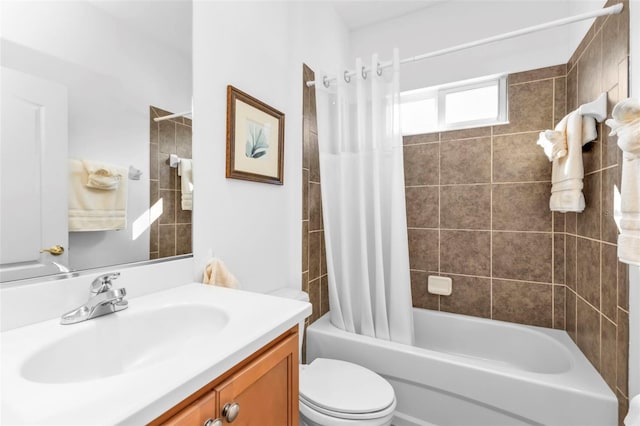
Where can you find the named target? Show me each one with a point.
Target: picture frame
(255, 139)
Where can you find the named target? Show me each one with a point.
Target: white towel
(185, 171)
(568, 171)
(554, 142)
(216, 273)
(98, 203)
(626, 124)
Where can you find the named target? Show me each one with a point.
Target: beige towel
(97, 204)
(185, 168)
(215, 273)
(626, 124)
(103, 176)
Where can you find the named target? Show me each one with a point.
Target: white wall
(113, 73)
(634, 276)
(258, 47)
(455, 22)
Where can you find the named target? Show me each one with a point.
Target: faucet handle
(103, 282)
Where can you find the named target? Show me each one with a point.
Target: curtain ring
(379, 69)
(364, 73)
(325, 81)
(346, 76)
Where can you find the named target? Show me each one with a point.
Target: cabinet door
(266, 390)
(197, 413)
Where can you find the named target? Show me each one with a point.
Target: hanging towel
(103, 176)
(216, 273)
(563, 146)
(554, 142)
(97, 196)
(626, 125)
(185, 171)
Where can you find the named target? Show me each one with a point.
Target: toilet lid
(344, 387)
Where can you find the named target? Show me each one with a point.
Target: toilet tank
(292, 293)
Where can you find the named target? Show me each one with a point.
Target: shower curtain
(362, 177)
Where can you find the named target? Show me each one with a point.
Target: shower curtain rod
(611, 10)
(167, 117)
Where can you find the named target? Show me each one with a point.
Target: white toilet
(336, 393)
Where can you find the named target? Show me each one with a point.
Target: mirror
(86, 180)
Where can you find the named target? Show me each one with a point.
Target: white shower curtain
(362, 176)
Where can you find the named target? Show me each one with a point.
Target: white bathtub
(469, 371)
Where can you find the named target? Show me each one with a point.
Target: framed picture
(255, 139)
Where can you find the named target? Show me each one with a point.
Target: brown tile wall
(171, 233)
(597, 298)
(477, 211)
(314, 265)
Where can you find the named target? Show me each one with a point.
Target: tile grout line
(520, 83)
(553, 220)
(506, 231)
(481, 183)
(564, 271)
(439, 214)
(483, 277)
(589, 239)
(175, 195)
(491, 227)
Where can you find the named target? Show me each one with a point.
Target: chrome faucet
(103, 300)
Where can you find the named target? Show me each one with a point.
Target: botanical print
(255, 139)
(257, 144)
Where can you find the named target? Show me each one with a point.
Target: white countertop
(142, 394)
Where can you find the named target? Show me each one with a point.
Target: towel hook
(346, 76)
(325, 81)
(363, 71)
(379, 69)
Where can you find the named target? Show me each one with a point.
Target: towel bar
(174, 160)
(596, 109)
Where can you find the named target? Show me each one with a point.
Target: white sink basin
(129, 367)
(117, 344)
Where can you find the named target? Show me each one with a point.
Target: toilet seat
(345, 390)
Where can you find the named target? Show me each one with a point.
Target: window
(470, 103)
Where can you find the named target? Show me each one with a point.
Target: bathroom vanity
(263, 389)
(173, 357)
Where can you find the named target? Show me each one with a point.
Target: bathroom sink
(121, 343)
(131, 366)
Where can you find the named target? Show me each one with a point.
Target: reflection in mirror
(171, 184)
(84, 164)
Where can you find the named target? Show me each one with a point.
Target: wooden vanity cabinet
(265, 386)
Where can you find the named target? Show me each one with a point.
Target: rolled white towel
(554, 144)
(626, 125)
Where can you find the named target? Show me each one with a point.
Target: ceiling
(169, 21)
(165, 21)
(357, 14)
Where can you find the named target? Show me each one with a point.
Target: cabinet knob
(213, 422)
(230, 411)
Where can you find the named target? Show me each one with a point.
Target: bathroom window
(464, 104)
